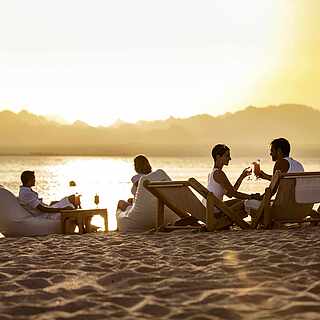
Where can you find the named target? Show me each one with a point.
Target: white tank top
(214, 186)
(294, 165)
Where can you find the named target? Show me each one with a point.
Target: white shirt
(29, 199)
(214, 186)
(134, 180)
(294, 165)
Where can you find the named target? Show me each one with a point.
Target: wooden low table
(83, 218)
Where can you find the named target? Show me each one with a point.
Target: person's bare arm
(281, 165)
(265, 176)
(246, 172)
(44, 208)
(221, 178)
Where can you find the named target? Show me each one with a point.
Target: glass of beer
(256, 168)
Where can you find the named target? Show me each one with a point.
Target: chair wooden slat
(177, 196)
(284, 207)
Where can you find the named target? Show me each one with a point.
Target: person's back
(29, 200)
(214, 186)
(142, 167)
(141, 216)
(294, 165)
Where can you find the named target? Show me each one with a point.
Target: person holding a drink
(279, 152)
(219, 184)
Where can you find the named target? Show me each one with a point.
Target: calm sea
(110, 176)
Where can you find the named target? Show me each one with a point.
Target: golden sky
(100, 60)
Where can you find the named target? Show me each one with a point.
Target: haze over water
(110, 176)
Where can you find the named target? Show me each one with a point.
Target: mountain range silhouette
(247, 132)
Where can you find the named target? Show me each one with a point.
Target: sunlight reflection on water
(110, 176)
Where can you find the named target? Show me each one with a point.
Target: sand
(180, 275)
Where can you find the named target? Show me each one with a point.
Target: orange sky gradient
(99, 61)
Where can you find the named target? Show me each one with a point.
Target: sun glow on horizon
(146, 61)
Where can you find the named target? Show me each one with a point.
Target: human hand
(255, 196)
(246, 172)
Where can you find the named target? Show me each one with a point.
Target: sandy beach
(180, 275)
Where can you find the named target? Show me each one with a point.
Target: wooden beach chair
(178, 196)
(295, 195)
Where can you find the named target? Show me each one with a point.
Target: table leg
(105, 218)
(80, 224)
(87, 223)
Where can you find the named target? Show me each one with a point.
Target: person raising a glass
(219, 184)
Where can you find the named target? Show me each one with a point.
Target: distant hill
(248, 132)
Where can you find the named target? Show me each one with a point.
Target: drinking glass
(96, 199)
(256, 168)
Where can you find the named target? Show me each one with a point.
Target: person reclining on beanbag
(30, 200)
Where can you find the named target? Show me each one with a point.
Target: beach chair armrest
(196, 185)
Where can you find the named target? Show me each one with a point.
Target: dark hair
(26, 176)
(142, 165)
(282, 144)
(219, 150)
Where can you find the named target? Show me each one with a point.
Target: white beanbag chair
(141, 216)
(15, 221)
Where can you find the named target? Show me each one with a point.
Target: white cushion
(141, 216)
(307, 189)
(16, 221)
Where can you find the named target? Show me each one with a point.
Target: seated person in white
(29, 199)
(15, 221)
(279, 152)
(219, 184)
(142, 167)
(141, 215)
